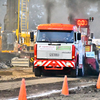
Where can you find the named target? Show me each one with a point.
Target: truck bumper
(54, 64)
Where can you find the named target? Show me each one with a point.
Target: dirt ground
(44, 88)
(88, 95)
(16, 73)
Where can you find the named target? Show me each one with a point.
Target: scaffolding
(23, 22)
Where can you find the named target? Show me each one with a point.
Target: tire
(97, 66)
(33, 67)
(86, 70)
(81, 71)
(74, 72)
(37, 71)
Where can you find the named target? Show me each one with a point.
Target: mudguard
(93, 62)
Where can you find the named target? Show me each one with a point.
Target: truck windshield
(55, 36)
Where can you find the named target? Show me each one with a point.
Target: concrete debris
(8, 63)
(3, 66)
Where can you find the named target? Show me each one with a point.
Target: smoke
(83, 9)
(71, 18)
(72, 5)
(59, 11)
(78, 8)
(49, 6)
(72, 8)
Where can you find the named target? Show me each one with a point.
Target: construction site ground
(16, 73)
(36, 87)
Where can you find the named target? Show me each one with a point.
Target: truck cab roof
(55, 26)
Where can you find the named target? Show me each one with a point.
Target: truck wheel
(81, 71)
(37, 71)
(33, 67)
(97, 66)
(86, 71)
(74, 72)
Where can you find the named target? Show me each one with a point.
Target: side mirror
(91, 35)
(78, 36)
(89, 41)
(75, 37)
(32, 36)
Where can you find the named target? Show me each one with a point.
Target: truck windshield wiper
(43, 41)
(53, 44)
(57, 42)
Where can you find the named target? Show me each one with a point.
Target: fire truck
(61, 47)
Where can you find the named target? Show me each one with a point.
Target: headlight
(68, 64)
(39, 63)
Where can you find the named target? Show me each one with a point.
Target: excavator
(15, 40)
(0, 38)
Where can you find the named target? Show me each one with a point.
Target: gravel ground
(44, 88)
(88, 96)
(16, 73)
(90, 93)
(11, 74)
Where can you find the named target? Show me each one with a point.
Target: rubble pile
(3, 66)
(5, 60)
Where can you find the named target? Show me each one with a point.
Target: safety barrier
(20, 62)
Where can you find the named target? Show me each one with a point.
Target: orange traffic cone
(65, 90)
(22, 93)
(98, 82)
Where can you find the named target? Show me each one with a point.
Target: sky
(58, 11)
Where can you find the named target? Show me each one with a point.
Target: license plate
(53, 54)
